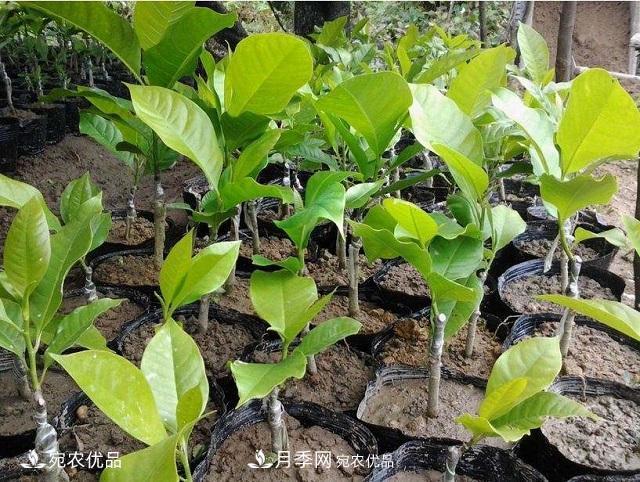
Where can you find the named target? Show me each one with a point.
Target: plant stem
(341, 249)
(354, 250)
(427, 165)
(453, 457)
(184, 458)
(565, 327)
(251, 218)
(279, 435)
(132, 214)
(7, 87)
(234, 235)
(19, 371)
(435, 363)
(159, 215)
(473, 323)
(89, 285)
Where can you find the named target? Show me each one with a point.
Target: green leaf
(364, 102)
(75, 195)
(72, 326)
(632, 226)
(27, 248)
(102, 23)
(177, 52)
(172, 365)
(613, 314)
(444, 290)
(537, 359)
(182, 126)
(358, 195)
(119, 390)
(444, 64)
(264, 73)
(472, 180)
(257, 380)
(571, 196)
(503, 399)
(254, 157)
(601, 121)
(92, 339)
(436, 119)
(328, 333)
(105, 133)
(479, 427)
(471, 89)
(534, 52)
(11, 332)
(613, 236)
(507, 224)
(412, 222)
(456, 258)
(152, 19)
(248, 189)
(175, 268)
(16, 194)
(459, 312)
(290, 263)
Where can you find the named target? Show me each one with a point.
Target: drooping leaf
(254, 156)
(11, 328)
(328, 333)
(613, 236)
(248, 189)
(569, 197)
(472, 180)
(16, 194)
(105, 133)
(459, 312)
(290, 263)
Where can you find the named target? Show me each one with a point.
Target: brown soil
(230, 462)
(222, 343)
(108, 323)
(609, 443)
(410, 346)
(403, 405)
(373, 318)
(405, 278)
(539, 248)
(327, 272)
(238, 298)
(275, 249)
(426, 476)
(21, 114)
(128, 270)
(520, 294)
(141, 230)
(339, 384)
(593, 353)
(16, 414)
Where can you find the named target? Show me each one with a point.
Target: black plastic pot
(309, 414)
(32, 136)
(536, 267)
(542, 454)
(549, 229)
(72, 113)
(56, 121)
(481, 462)
(414, 302)
(390, 439)
(605, 478)
(9, 129)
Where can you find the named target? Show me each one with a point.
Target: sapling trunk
(251, 218)
(234, 235)
(279, 435)
(565, 327)
(473, 324)
(132, 213)
(159, 215)
(396, 177)
(564, 271)
(453, 457)
(341, 250)
(354, 250)
(501, 190)
(19, 371)
(427, 166)
(89, 286)
(46, 443)
(205, 301)
(90, 72)
(7, 86)
(435, 364)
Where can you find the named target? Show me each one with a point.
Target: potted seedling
(517, 399)
(288, 303)
(160, 402)
(35, 266)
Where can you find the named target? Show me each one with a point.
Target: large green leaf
(177, 52)
(614, 314)
(459, 312)
(328, 333)
(456, 258)
(444, 64)
(152, 19)
(16, 194)
(472, 180)
(358, 195)
(436, 119)
(254, 157)
(257, 380)
(175, 268)
(182, 125)
(534, 52)
(264, 73)
(119, 390)
(507, 224)
(248, 189)
(27, 248)
(11, 332)
(613, 236)
(471, 89)
(72, 326)
(172, 365)
(75, 195)
(101, 22)
(366, 103)
(571, 196)
(537, 126)
(105, 133)
(601, 121)
(412, 222)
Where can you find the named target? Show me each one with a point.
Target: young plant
(444, 253)
(31, 285)
(517, 399)
(160, 402)
(288, 303)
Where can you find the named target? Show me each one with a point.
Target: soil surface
(404, 278)
(403, 405)
(326, 270)
(593, 353)
(110, 322)
(238, 298)
(426, 476)
(273, 248)
(16, 414)
(609, 443)
(128, 270)
(411, 342)
(539, 248)
(339, 384)
(141, 230)
(230, 462)
(520, 294)
(220, 344)
(373, 318)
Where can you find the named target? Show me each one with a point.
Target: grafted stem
(453, 457)
(435, 364)
(279, 435)
(251, 218)
(565, 327)
(19, 371)
(159, 215)
(234, 235)
(354, 250)
(89, 286)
